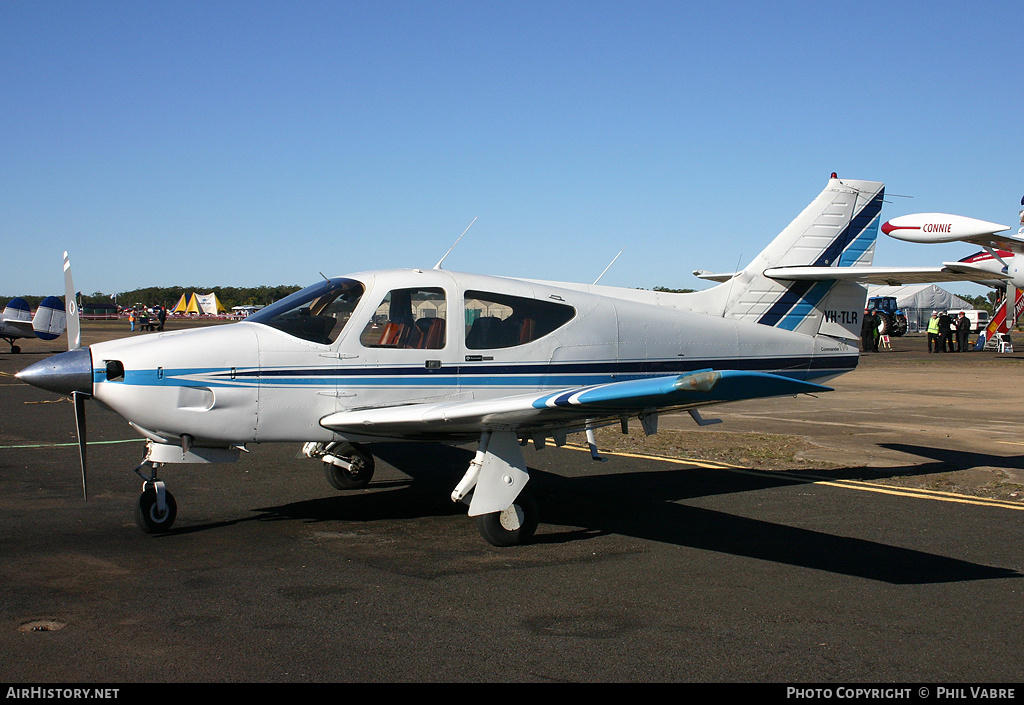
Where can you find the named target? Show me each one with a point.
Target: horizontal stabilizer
(886, 276)
(712, 276)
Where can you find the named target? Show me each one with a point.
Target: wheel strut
(155, 509)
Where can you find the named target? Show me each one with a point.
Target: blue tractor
(892, 319)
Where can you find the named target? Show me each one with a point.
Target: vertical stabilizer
(50, 319)
(838, 229)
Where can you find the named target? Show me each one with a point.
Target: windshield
(318, 313)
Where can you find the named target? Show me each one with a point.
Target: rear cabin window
(503, 321)
(408, 319)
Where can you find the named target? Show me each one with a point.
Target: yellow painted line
(709, 464)
(861, 485)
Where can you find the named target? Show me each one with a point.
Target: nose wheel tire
(148, 515)
(512, 527)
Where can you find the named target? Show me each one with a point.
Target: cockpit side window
(408, 319)
(318, 313)
(504, 321)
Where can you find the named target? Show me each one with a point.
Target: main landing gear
(492, 486)
(513, 526)
(155, 510)
(493, 489)
(347, 466)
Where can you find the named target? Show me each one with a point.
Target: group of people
(869, 333)
(141, 317)
(946, 334)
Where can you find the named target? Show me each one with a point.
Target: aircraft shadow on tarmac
(947, 460)
(642, 505)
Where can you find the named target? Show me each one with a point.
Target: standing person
(933, 332)
(963, 329)
(868, 328)
(131, 319)
(162, 316)
(945, 333)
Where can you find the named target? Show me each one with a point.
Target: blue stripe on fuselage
(528, 375)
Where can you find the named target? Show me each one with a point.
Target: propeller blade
(71, 306)
(79, 399)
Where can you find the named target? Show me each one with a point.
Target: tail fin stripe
(867, 234)
(807, 304)
(848, 246)
(793, 294)
(855, 230)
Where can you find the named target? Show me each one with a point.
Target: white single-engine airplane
(442, 356)
(17, 321)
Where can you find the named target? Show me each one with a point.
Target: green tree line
(262, 295)
(169, 295)
(982, 303)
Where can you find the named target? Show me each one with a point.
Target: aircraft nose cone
(64, 373)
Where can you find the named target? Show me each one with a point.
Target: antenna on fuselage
(609, 265)
(438, 265)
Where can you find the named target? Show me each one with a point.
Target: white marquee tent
(919, 300)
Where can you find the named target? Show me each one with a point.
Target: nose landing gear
(155, 510)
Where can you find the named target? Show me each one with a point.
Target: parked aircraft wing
(568, 407)
(889, 276)
(18, 329)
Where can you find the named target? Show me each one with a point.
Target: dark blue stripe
(850, 233)
(795, 291)
(803, 362)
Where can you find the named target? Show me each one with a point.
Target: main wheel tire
(149, 518)
(355, 477)
(512, 527)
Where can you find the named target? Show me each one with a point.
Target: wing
(567, 409)
(889, 276)
(15, 328)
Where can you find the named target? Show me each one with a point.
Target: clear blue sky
(247, 143)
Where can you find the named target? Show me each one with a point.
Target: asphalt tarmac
(644, 569)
